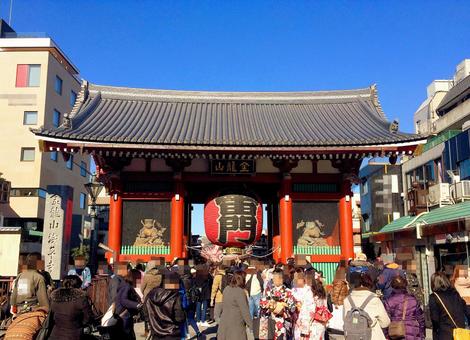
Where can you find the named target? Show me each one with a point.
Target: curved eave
(70, 143)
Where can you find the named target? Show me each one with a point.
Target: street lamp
(93, 189)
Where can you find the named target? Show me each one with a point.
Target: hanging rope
(270, 252)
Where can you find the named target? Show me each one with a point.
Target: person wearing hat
(361, 265)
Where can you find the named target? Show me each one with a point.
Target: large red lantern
(233, 220)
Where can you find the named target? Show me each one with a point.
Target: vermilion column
(345, 222)
(276, 238)
(177, 221)
(115, 226)
(285, 219)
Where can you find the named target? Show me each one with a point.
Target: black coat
(205, 283)
(165, 313)
(128, 300)
(113, 286)
(442, 325)
(71, 312)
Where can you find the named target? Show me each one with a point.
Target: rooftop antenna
(11, 10)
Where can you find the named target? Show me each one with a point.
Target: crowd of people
(260, 300)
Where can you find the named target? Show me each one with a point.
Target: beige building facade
(38, 85)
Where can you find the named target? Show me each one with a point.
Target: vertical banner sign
(57, 229)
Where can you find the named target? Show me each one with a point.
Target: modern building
(434, 232)
(381, 200)
(38, 85)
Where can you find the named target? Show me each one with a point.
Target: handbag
(109, 318)
(396, 329)
(46, 327)
(322, 314)
(459, 333)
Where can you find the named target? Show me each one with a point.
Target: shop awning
(398, 224)
(448, 213)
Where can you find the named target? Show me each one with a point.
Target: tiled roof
(116, 115)
(454, 95)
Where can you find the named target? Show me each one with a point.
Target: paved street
(210, 333)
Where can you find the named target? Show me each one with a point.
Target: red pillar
(276, 238)
(345, 222)
(177, 221)
(285, 219)
(115, 226)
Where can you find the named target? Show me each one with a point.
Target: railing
(98, 293)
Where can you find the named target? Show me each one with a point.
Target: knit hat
(360, 257)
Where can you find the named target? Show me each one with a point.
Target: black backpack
(194, 294)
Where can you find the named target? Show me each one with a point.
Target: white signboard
(54, 241)
(9, 252)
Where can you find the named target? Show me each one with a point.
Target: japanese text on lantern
(237, 219)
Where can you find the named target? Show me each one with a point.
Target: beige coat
(216, 293)
(152, 279)
(462, 285)
(374, 308)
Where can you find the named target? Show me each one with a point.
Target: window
(28, 192)
(28, 75)
(69, 163)
(83, 169)
(4, 191)
(430, 172)
(30, 118)
(54, 156)
(464, 167)
(82, 200)
(73, 98)
(58, 85)
(27, 154)
(56, 118)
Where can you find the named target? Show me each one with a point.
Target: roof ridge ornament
(81, 98)
(375, 99)
(393, 127)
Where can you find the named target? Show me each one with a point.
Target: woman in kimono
(317, 329)
(278, 304)
(305, 307)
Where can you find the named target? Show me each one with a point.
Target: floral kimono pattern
(304, 316)
(284, 320)
(317, 329)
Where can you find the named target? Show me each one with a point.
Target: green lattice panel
(314, 250)
(145, 250)
(328, 269)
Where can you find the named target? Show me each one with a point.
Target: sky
(259, 45)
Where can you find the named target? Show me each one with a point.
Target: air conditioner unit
(439, 194)
(461, 191)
